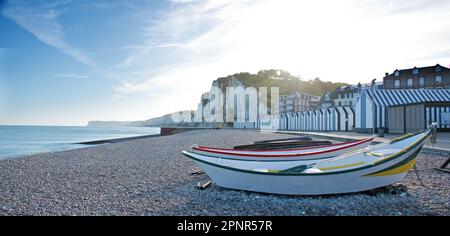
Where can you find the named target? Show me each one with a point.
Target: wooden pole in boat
(433, 139)
(443, 167)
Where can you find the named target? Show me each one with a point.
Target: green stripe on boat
(402, 137)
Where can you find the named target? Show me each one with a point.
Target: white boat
(385, 164)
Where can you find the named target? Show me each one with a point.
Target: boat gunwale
(352, 144)
(262, 159)
(199, 147)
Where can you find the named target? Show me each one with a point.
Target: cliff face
(158, 121)
(165, 120)
(264, 78)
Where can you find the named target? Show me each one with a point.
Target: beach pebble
(151, 177)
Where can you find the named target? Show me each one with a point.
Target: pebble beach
(150, 176)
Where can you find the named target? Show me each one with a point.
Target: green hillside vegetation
(282, 79)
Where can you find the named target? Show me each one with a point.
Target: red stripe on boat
(223, 151)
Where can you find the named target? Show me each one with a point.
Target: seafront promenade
(150, 176)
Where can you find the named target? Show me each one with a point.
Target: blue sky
(66, 62)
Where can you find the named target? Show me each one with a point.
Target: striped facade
(369, 113)
(371, 107)
(433, 114)
(330, 119)
(245, 125)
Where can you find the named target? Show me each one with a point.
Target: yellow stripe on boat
(341, 166)
(395, 171)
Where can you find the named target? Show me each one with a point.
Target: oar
(302, 138)
(298, 144)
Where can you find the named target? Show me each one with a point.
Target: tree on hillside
(282, 79)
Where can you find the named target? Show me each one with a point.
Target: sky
(67, 62)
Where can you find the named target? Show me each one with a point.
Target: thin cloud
(399, 7)
(167, 45)
(300, 36)
(440, 56)
(41, 20)
(182, 1)
(193, 23)
(179, 50)
(71, 76)
(141, 51)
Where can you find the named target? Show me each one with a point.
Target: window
(421, 81)
(438, 79)
(397, 83)
(415, 71)
(437, 68)
(396, 73)
(409, 82)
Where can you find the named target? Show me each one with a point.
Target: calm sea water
(16, 141)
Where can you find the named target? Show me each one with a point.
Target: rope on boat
(432, 140)
(420, 179)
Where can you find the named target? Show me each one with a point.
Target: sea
(19, 141)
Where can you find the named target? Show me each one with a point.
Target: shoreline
(81, 145)
(93, 143)
(117, 140)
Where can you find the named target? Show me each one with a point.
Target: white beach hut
(350, 118)
(320, 120)
(326, 119)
